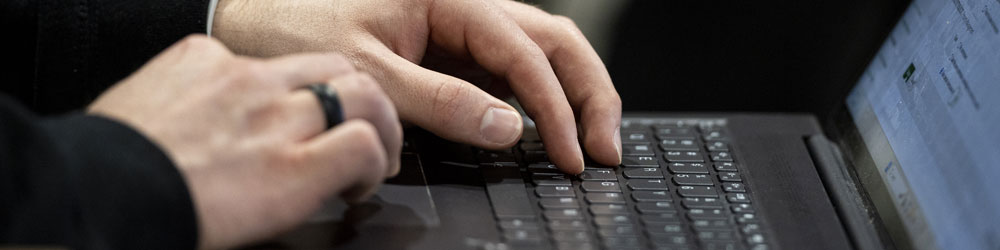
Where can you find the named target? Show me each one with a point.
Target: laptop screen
(927, 110)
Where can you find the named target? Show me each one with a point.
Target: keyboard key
(721, 156)
(683, 156)
(495, 156)
(687, 168)
(693, 179)
(563, 214)
(738, 198)
(571, 236)
(725, 167)
(640, 162)
(711, 224)
(660, 218)
(535, 156)
(668, 239)
(505, 189)
(610, 220)
(657, 185)
(698, 213)
(598, 175)
(605, 198)
(552, 203)
(532, 146)
(643, 173)
(600, 186)
(635, 136)
(721, 240)
(576, 246)
(655, 207)
(716, 146)
(681, 132)
(620, 242)
(755, 238)
(616, 231)
(550, 179)
(519, 224)
(715, 134)
(750, 228)
(747, 217)
(697, 191)
(742, 208)
(673, 247)
(651, 196)
(664, 228)
(637, 149)
(733, 187)
(717, 237)
(679, 144)
(522, 234)
(730, 177)
(567, 225)
(543, 168)
(553, 191)
(608, 209)
(703, 203)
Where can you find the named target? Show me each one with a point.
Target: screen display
(928, 111)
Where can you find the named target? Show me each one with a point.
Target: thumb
(450, 107)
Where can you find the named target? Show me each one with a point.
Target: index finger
(496, 42)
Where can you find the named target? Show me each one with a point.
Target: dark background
(788, 56)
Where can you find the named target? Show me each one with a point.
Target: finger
(496, 42)
(301, 70)
(360, 98)
(450, 107)
(583, 76)
(350, 157)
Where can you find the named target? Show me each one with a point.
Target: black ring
(330, 103)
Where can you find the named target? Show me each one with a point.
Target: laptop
(909, 161)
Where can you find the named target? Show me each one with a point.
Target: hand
(250, 141)
(550, 66)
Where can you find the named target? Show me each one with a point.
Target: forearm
(86, 182)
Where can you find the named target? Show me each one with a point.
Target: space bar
(507, 193)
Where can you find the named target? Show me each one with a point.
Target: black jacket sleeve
(87, 182)
(66, 52)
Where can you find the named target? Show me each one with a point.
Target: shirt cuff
(211, 16)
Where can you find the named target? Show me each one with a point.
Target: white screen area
(928, 109)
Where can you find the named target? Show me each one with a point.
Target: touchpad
(403, 201)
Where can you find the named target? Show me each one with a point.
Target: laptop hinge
(843, 192)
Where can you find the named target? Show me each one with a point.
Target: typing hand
(250, 141)
(543, 59)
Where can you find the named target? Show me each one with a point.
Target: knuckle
(254, 70)
(368, 95)
(373, 93)
(567, 26)
(367, 87)
(369, 145)
(339, 61)
(564, 20)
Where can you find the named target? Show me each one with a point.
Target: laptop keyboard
(678, 187)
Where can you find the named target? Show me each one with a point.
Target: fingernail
(618, 143)
(500, 126)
